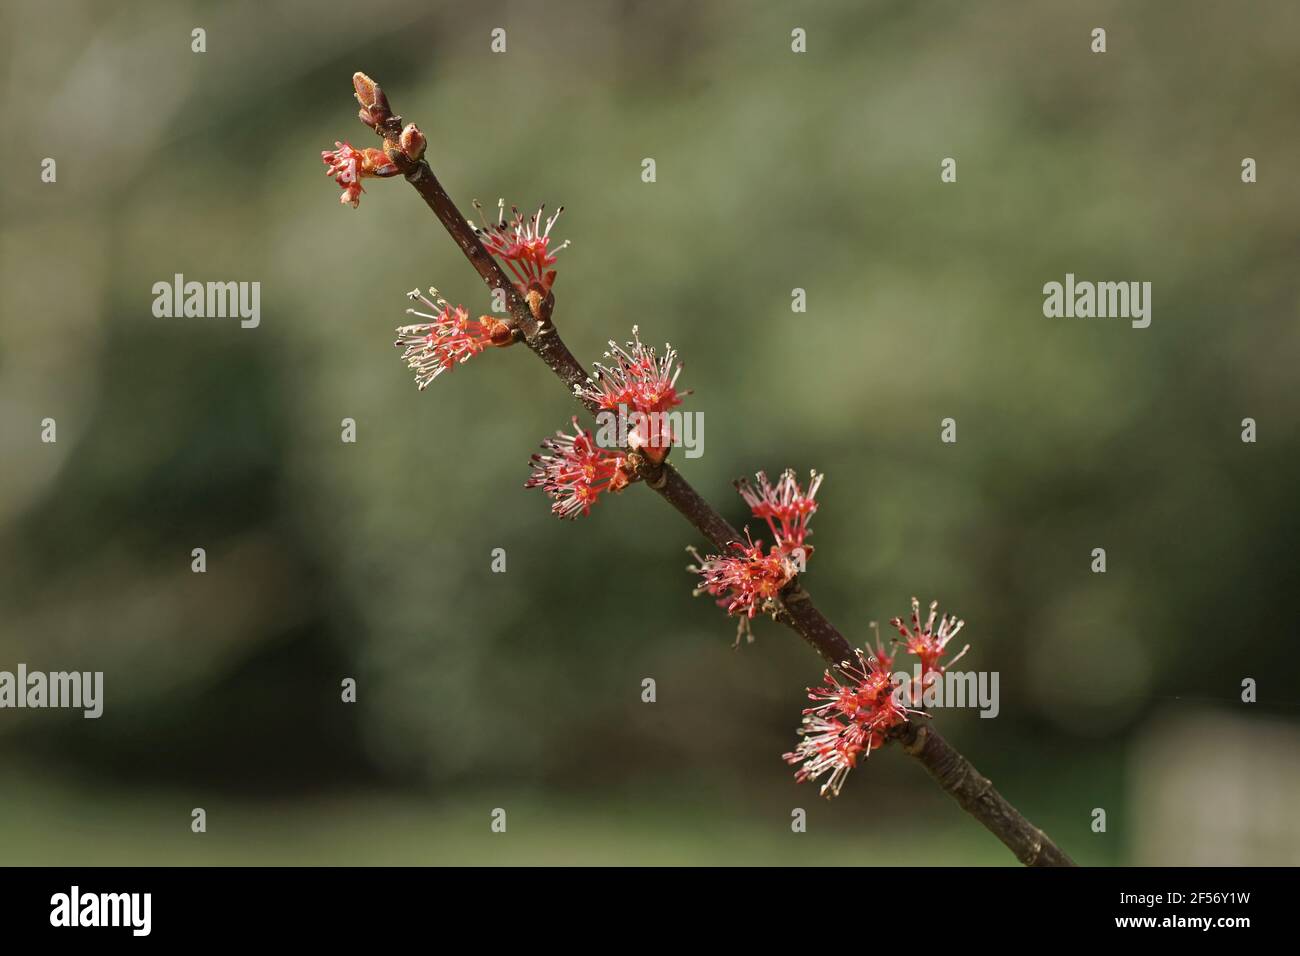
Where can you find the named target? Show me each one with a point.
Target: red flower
(447, 339)
(576, 472)
(784, 506)
(865, 694)
(746, 583)
(636, 380)
(749, 581)
(856, 707)
(886, 659)
(927, 643)
(828, 745)
(348, 166)
(523, 245)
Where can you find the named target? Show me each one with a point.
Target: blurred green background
(775, 170)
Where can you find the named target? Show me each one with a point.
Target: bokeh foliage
(775, 171)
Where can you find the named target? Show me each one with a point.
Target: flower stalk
(578, 471)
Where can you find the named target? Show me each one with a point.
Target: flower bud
(371, 98)
(375, 162)
(413, 143)
(499, 334)
(535, 297)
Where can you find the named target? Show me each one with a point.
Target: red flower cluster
(749, 582)
(576, 472)
(860, 703)
(857, 708)
(927, 643)
(784, 507)
(636, 380)
(447, 339)
(746, 583)
(348, 166)
(523, 245)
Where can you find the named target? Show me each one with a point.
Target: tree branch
(953, 772)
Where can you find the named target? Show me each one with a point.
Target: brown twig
(953, 772)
